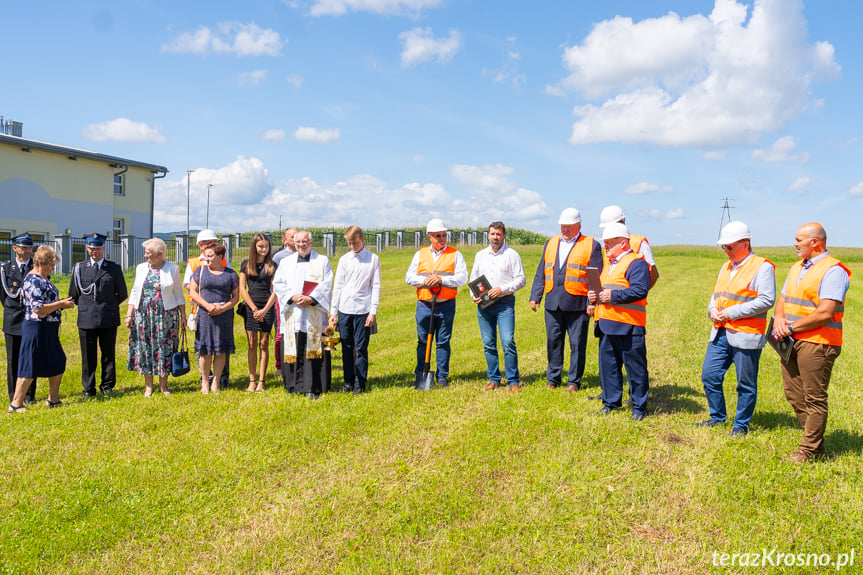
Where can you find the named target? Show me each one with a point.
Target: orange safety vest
(802, 298)
(575, 280)
(730, 291)
(635, 242)
(634, 313)
(444, 266)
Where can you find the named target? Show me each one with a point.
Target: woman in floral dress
(155, 317)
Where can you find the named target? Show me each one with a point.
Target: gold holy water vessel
(330, 339)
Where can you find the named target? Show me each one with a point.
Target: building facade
(50, 190)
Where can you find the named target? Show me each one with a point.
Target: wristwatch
(791, 327)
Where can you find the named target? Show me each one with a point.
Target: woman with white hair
(155, 317)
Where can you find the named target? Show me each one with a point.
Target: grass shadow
(674, 399)
(774, 420)
(843, 442)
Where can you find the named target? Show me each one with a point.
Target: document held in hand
(593, 283)
(782, 346)
(480, 288)
(309, 287)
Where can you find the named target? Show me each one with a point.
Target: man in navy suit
(97, 288)
(11, 276)
(562, 278)
(621, 320)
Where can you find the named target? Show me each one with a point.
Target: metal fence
(128, 251)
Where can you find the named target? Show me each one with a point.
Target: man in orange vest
(639, 244)
(810, 310)
(562, 278)
(621, 317)
(437, 267)
(744, 292)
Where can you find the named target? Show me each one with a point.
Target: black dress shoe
(347, 388)
(738, 431)
(29, 401)
(443, 383)
(637, 416)
(357, 390)
(88, 394)
(605, 410)
(108, 392)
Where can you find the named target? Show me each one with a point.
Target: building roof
(74, 153)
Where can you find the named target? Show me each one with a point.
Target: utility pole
(208, 205)
(726, 209)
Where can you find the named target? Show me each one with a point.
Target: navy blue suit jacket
(638, 276)
(558, 298)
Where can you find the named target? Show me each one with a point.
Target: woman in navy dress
(256, 289)
(41, 354)
(215, 289)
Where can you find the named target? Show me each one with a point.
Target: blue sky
(390, 112)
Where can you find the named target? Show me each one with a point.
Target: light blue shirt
(764, 283)
(833, 286)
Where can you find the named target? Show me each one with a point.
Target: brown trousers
(806, 377)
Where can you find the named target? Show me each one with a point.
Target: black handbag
(242, 309)
(180, 358)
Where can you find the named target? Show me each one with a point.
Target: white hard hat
(435, 225)
(734, 231)
(614, 230)
(569, 216)
(611, 214)
(206, 235)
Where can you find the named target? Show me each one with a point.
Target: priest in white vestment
(303, 284)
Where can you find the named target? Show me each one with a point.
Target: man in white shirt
(303, 284)
(501, 265)
(356, 295)
(438, 269)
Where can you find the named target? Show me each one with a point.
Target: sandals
(53, 404)
(13, 409)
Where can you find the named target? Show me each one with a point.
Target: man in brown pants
(810, 310)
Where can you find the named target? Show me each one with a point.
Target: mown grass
(449, 481)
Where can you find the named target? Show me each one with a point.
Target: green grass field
(449, 481)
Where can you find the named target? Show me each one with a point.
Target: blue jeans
(499, 317)
(355, 338)
(719, 357)
(444, 314)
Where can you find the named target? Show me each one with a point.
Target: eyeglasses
(440, 235)
(728, 247)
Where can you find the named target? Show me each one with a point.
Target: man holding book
(303, 284)
(496, 275)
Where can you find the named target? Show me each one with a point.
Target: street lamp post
(188, 193)
(208, 205)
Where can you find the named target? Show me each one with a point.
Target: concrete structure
(46, 189)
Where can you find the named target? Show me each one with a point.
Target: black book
(480, 288)
(782, 346)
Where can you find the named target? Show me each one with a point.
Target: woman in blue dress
(41, 354)
(215, 289)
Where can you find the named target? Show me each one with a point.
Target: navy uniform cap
(95, 240)
(24, 240)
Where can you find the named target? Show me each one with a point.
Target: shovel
(426, 382)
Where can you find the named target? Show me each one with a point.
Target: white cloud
(339, 7)
(657, 214)
(294, 80)
(782, 150)
(856, 190)
(122, 130)
(508, 71)
(273, 135)
(420, 45)
(645, 188)
(229, 38)
(243, 198)
(715, 155)
(316, 135)
(700, 80)
(800, 183)
(252, 78)
(419, 158)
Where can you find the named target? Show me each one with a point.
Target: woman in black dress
(215, 289)
(256, 290)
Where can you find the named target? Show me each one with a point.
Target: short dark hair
(498, 225)
(217, 248)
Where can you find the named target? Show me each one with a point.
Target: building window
(5, 245)
(119, 185)
(118, 230)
